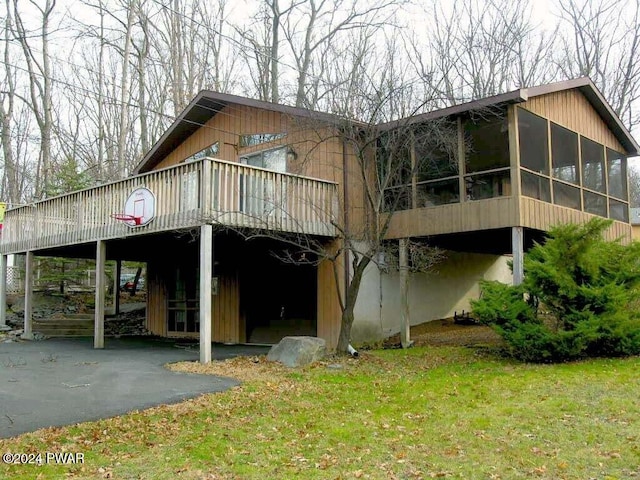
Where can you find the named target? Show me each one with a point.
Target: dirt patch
(446, 332)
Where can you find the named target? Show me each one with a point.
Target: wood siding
(542, 216)
(317, 147)
(157, 297)
(572, 110)
(460, 217)
(329, 311)
(226, 326)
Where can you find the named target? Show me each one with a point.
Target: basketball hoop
(130, 220)
(139, 209)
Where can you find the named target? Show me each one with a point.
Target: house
(635, 223)
(229, 168)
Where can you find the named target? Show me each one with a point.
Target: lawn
(428, 412)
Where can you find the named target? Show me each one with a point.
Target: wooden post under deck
(98, 329)
(405, 324)
(3, 291)
(116, 287)
(517, 242)
(206, 271)
(27, 332)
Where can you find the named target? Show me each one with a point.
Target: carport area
(66, 381)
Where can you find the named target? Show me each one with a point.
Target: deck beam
(517, 246)
(98, 329)
(206, 272)
(27, 330)
(405, 322)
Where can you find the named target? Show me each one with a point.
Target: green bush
(578, 299)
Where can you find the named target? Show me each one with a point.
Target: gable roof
(597, 101)
(207, 104)
(583, 84)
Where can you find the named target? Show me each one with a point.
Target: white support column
(517, 245)
(116, 286)
(3, 292)
(405, 324)
(27, 333)
(98, 325)
(206, 271)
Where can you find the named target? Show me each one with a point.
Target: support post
(517, 242)
(116, 287)
(206, 271)
(98, 325)
(405, 325)
(3, 292)
(27, 331)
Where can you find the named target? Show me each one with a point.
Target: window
(211, 151)
(488, 185)
(394, 170)
(262, 194)
(397, 198)
(534, 142)
(594, 203)
(618, 210)
(436, 151)
(564, 154)
(439, 192)
(617, 167)
(592, 165)
(579, 176)
(535, 186)
(486, 144)
(273, 159)
(259, 138)
(566, 195)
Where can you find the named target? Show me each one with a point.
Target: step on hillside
(76, 326)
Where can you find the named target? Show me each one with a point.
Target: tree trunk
(124, 95)
(360, 263)
(275, 93)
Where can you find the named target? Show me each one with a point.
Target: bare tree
(381, 164)
(263, 58)
(604, 44)
(482, 48)
(38, 67)
(7, 105)
(310, 26)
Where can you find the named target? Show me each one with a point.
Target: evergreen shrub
(579, 298)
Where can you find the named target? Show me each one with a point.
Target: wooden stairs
(71, 325)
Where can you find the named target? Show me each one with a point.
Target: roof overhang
(598, 102)
(206, 105)
(494, 102)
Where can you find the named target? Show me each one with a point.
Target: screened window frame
(579, 167)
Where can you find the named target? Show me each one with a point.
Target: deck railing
(187, 195)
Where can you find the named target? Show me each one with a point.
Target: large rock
(298, 351)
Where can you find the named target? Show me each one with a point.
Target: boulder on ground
(298, 351)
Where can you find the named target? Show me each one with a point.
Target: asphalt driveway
(65, 381)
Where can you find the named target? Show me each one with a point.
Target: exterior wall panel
(542, 216)
(329, 312)
(572, 110)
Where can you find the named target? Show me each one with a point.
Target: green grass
(422, 413)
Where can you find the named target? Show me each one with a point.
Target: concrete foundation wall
(432, 295)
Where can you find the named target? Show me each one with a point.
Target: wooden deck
(206, 191)
(492, 213)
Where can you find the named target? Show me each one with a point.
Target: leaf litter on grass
(388, 414)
